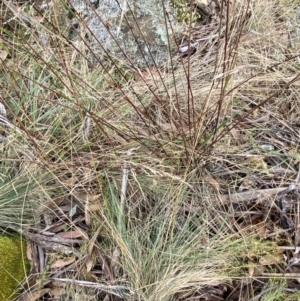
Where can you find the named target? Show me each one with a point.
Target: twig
(111, 289)
(57, 244)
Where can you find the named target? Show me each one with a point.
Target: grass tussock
(158, 182)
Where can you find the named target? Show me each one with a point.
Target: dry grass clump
(165, 182)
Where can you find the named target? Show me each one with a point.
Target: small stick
(111, 289)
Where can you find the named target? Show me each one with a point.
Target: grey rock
(133, 31)
(295, 25)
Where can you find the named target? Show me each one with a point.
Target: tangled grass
(142, 160)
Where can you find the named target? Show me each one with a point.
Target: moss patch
(184, 11)
(13, 266)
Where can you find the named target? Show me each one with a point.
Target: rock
(134, 30)
(295, 34)
(13, 266)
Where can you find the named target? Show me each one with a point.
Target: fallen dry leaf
(89, 261)
(261, 119)
(89, 276)
(252, 195)
(255, 270)
(261, 231)
(62, 262)
(93, 240)
(94, 207)
(236, 134)
(89, 264)
(36, 295)
(58, 284)
(84, 196)
(70, 234)
(57, 291)
(209, 179)
(3, 55)
(259, 194)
